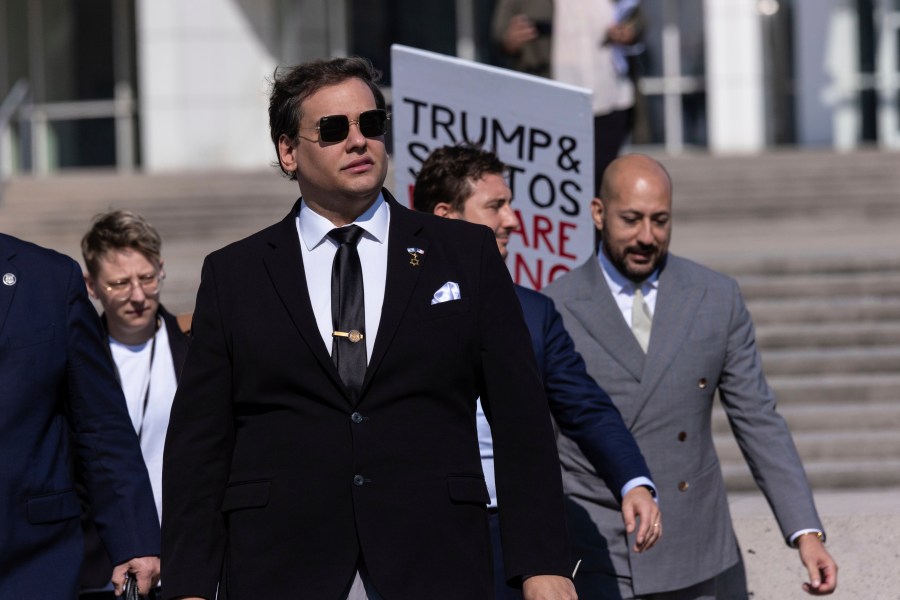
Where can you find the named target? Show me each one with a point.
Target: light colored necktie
(641, 319)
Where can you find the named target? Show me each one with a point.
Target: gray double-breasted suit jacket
(702, 341)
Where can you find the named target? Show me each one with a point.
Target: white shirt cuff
(633, 483)
(797, 534)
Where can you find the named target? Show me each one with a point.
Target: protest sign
(542, 129)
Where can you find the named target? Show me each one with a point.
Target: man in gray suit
(702, 341)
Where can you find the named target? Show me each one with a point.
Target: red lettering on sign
(564, 228)
(542, 226)
(538, 231)
(538, 274)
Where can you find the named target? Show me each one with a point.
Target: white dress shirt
(623, 288)
(318, 252)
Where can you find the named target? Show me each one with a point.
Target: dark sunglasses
(336, 128)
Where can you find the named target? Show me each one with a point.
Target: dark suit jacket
(97, 565)
(581, 409)
(60, 403)
(273, 476)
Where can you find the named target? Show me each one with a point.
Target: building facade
(169, 85)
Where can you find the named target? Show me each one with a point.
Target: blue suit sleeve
(583, 411)
(112, 468)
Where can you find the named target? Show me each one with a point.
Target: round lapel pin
(9, 279)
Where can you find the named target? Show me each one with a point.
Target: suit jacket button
(702, 383)
(682, 436)
(683, 486)
(356, 417)
(358, 480)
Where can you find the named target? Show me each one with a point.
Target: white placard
(542, 129)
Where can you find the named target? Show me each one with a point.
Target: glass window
(376, 24)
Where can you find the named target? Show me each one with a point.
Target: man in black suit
(292, 473)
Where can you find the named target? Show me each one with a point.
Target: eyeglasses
(336, 128)
(124, 288)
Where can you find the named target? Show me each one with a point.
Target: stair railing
(13, 101)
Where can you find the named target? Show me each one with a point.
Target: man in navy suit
(466, 182)
(60, 403)
(311, 455)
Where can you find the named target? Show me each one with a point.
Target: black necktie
(348, 309)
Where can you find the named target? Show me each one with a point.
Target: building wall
(734, 76)
(202, 76)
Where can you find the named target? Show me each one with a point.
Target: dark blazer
(97, 566)
(581, 409)
(702, 343)
(274, 482)
(60, 403)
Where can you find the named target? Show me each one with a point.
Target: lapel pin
(9, 279)
(414, 254)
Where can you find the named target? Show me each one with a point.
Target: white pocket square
(448, 291)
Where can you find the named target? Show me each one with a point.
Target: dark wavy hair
(290, 87)
(118, 230)
(448, 173)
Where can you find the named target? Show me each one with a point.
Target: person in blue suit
(61, 409)
(466, 182)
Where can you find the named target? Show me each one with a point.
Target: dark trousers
(610, 133)
(501, 590)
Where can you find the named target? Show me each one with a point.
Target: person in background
(466, 182)
(124, 274)
(664, 335)
(580, 42)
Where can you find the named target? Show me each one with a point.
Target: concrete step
(824, 310)
(861, 418)
(826, 445)
(821, 263)
(827, 474)
(810, 236)
(851, 359)
(799, 287)
(185, 206)
(836, 389)
(827, 335)
(784, 180)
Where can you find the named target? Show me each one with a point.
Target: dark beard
(618, 261)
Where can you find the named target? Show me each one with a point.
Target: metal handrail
(14, 99)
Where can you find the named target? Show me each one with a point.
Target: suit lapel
(677, 301)
(6, 291)
(596, 309)
(284, 264)
(401, 279)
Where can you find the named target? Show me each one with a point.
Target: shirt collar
(618, 283)
(314, 227)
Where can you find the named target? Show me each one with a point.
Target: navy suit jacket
(60, 403)
(582, 410)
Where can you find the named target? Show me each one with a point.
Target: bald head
(631, 171)
(634, 214)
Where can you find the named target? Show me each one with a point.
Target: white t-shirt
(133, 363)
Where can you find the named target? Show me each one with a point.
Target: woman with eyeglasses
(125, 274)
